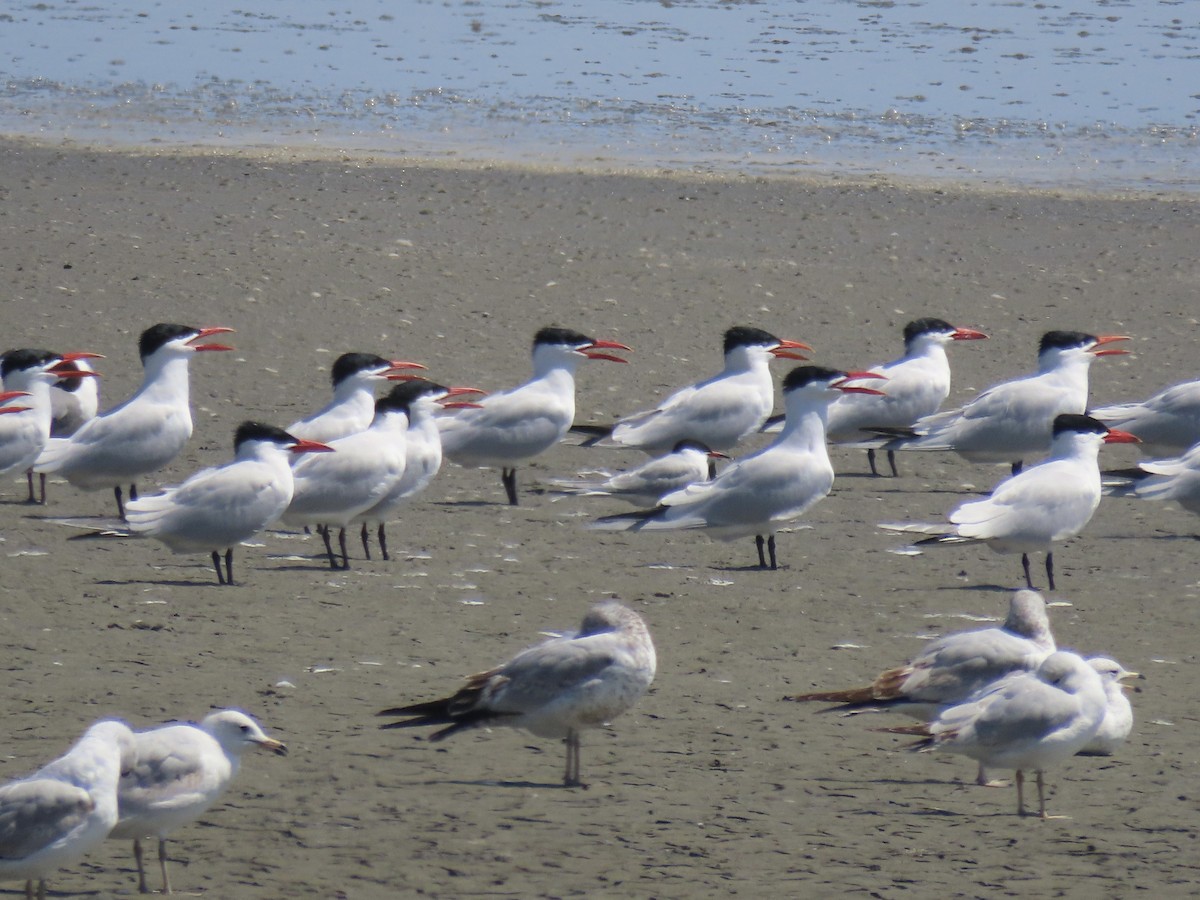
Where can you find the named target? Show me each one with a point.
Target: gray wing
(34, 814)
(541, 674)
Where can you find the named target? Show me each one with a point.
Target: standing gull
(953, 667)
(180, 771)
(1030, 720)
(554, 689)
(55, 816)
(1118, 712)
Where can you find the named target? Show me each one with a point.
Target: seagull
(1030, 720)
(219, 507)
(954, 667)
(759, 493)
(917, 384)
(511, 427)
(1012, 421)
(180, 771)
(1118, 713)
(719, 411)
(687, 463)
(422, 453)
(54, 817)
(333, 489)
(30, 373)
(145, 432)
(554, 689)
(1168, 423)
(352, 408)
(1048, 502)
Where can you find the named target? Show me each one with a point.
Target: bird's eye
(245, 729)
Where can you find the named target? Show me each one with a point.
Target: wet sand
(713, 786)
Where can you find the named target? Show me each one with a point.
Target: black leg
(383, 541)
(871, 460)
(759, 541)
(1050, 568)
(323, 531)
(1017, 466)
(1020, 793)
(366, 541)
(509, 477)
(1025, 565)
(29, 478)
(771, 551)
(342, 545)
(120, 504)
(892, 463)
(42, 483)
(216, 558)
(133, 492)
(229, 565)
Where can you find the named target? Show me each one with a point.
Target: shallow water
(1102, 95)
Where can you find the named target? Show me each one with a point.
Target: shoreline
(811, 175)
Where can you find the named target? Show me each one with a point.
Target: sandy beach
(712, 786)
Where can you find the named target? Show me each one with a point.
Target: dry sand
(713, 786)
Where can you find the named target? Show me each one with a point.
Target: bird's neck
(804, 428)
(166, 379)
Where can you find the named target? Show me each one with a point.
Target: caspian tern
(217, 508)
(759, 493)
(511, 427)
(689, 462)
(1167, 424)
(554, 689)
(74, 399)
(1175, 479)
(1029, 720)
(1048, 502)
(332, 489)
(422, 455)
(1118, 712)
(917, 384)
(352, 408)
(719, 411)
(23, 438)
(1012, 421)
(145, 432)
(180, 771)
(55, 816)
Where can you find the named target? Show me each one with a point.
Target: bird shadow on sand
(508, 785)
(164, 582)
